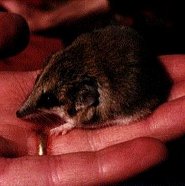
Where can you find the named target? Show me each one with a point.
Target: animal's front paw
(62, 129)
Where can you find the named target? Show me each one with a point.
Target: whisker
(42, 118)
(46, 118)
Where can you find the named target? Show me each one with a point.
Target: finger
(29, 11)
(168, 122)
(177, 91)
(14, 34)
(33, 57)
(165, 123)
(110, 165)
(13, 6)
(175, 66)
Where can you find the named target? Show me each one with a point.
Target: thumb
(14, 34)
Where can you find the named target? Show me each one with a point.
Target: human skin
(68, 13)
(12, 28)
(92, 157)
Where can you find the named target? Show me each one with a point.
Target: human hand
(20, 140)
(39, 19)
(84, 156)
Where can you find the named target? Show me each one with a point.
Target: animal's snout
(19, 114)
(24, 112)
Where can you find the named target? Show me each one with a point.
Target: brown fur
(103, 75)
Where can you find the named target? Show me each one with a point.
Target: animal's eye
(48, 100)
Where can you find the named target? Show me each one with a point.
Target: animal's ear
(87, 94)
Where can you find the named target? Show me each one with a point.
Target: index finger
(175, 66)
(109, 165)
